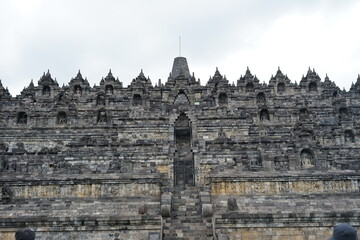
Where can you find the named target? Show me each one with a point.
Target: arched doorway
(184, 158)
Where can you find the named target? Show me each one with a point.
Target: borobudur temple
(180, 160)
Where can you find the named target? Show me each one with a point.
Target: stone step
(188, 234)
(186, 221)
(186, 195)
(183, 196)
(185, 206)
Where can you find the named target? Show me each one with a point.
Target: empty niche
(264, 115)
(22, 118)
(61, 118)
(307, 159)
(249, 87)
(101, 117)
(46, 90)
(312, 87)
(303, 114)
(349, 136)
(109, 89)
(137, 100)
(281, 87)
(260, 98)
(223, 99)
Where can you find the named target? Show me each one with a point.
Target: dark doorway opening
(184, 158)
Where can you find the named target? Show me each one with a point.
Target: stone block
(222, 236)
(165, 210)
(207, 210)
(154, 236)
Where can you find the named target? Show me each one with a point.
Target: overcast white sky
(127, 36)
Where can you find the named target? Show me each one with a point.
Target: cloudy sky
(127, 36)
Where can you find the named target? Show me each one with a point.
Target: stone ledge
(305, 175)
(245, 220)
(83, 223)
(27, 179)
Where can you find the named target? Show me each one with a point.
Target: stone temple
(180, 160)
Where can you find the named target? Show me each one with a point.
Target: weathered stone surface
(221, 236)
(109, 161)
(207, 210)
(143, 209)
(154, 236)
(232, 204)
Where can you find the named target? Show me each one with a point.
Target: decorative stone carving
(249, 87)
(185, 138)
(223, 99)
(312, 87)
(281, 87)
(343, 113)
(181, 99)
(46, 90)
(77, 90)
(307, 159)
(264, 115)
(61, 118)
(5, 166)
(7, 194)
(102, 117)
(232, 204)
(349, 136)
(100, 100)
(143, 209)
(281, 163)
(222, 134)
(260, 98)
(19, 149)
(137, 100)
(303, 114)
(22, 118)
(109, 90)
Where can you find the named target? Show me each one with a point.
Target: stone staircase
(186, 221)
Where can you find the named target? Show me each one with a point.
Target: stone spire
(79, 76)
(110, 76)
(180, 67)
(279, 74)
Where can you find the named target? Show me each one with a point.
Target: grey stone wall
(109, 150)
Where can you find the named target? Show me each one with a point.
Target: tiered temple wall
(271, 161)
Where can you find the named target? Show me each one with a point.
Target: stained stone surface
(171, 160)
